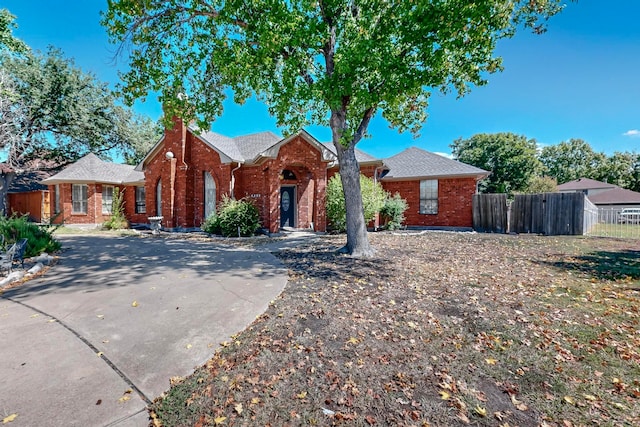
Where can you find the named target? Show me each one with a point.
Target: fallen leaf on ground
(134, 304)
(9, 418)
(480, 411)
(219, 420)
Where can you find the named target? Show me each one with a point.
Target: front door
(287, 206)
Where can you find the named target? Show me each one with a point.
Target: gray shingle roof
(252, 145)
(584, 184)
(91, 168)
(361, 156)
(414, 163)
(615, 196)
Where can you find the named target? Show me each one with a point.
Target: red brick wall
(455, 197)
(188, 183)
(94, 205)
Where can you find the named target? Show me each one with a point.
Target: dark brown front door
(287, 206)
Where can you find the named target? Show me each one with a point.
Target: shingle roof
(252, 145)
(361, 156)
(414, 163)
(91, 168)
(615, 196)
(584, 184)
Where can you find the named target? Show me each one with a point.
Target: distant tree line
(518, 165)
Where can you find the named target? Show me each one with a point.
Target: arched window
(209, 195)
(159, 198)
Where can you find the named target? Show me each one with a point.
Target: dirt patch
(438, 329)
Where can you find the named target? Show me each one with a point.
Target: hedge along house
(187, 173)
(82, 193)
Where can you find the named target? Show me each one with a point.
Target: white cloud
(633, 133)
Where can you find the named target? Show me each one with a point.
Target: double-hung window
(429, 196)
(107, 199)
(79, 199)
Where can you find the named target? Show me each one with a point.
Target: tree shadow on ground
(604, 265)
(328, 265)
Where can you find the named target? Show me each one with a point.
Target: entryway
(287, 206)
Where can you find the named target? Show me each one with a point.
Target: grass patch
(439, 329)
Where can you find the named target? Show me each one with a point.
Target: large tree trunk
(357, 238)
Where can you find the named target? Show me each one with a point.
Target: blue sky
(581, 79)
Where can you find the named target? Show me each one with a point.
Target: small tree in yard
(373, 199)
(335, 63)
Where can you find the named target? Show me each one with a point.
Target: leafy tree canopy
(7, 40)
(570, 160)
(512, 160)
(52, 110)
(327, 62)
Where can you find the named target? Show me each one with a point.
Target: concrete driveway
(98, 337)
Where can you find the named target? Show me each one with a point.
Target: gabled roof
(91, 169)
(617, 195)
(584, 184)
(415, 163)
(362, 157)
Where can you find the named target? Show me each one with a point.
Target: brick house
(82, 193)
(187, 173)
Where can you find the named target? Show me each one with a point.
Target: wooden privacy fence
(546, 213)
(490, 213)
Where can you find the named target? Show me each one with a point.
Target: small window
(79, 199)
(107, 199)
(159, 198)
(57, 199)
(429, 196)
(141, 203)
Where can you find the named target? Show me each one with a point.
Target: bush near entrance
(234, 218)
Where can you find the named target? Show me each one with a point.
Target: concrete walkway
(98, 337)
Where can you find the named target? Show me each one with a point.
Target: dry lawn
(440, 329)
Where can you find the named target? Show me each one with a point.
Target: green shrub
(392, 212)
(211, 225)
(373, 197)
(234, 218)
(118, 220)
(39, 237)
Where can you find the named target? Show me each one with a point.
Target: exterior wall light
(169, 155)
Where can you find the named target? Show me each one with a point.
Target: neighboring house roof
(28, 181)
(91, 168)
(616, 196)
(415, 163)
(584, 184)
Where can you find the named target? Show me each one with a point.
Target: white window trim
(426, 195)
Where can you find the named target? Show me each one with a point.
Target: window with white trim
(429, 196)
(141, 202)
(79, 199)
(107, 199)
